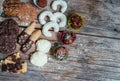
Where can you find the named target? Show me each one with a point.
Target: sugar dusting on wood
(90, 58)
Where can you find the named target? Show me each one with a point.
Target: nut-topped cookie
(59, 52)
(66, 37)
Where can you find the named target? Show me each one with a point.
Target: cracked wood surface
(94, 56)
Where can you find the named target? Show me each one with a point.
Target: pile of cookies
(10, 34)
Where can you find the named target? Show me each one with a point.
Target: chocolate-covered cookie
(7, 44)
(28, 44)
(24, 36)
(9, 27)
(9, 31)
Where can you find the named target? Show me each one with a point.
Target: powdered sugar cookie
(43, 45)
(39, 59)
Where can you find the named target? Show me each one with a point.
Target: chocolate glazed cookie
(9, 31)
(9, 27)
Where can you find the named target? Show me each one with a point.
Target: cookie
(23, 37)
(66, 37)
(43, 45)
(9, 31)
(14, 64)
(9, 27)
(39, 59)
(29, 30)
(35, 35)
(75, 21)
(59, 52)
(26, 12)
(7, 44)
(25, 47)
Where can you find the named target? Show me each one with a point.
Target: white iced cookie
(43, 45)
(39, 59)
(45, 14)
(60, 18)
(61, 3)
(48, 26)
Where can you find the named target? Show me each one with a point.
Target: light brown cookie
(30, 28)
(35, 35)
(26, 12)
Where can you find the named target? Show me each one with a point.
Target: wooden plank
(82, 64)
(90, 58)
(29, 76)
(101, 16)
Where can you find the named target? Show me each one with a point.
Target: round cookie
(43, 45)
(66, 37)
(59, 52)
(39, 59)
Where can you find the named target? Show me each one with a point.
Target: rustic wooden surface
(94, 56)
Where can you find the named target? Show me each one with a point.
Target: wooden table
(94, 56)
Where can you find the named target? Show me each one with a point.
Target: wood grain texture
(94, 56)
(102, 17)
(90, 59)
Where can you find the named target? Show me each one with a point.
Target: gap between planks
(80, 33)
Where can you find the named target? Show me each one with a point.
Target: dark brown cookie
(66, 37)
(59, 52)
(9, 27)
(27, 46)
(7, 44)
(23, 38)
(9, 31)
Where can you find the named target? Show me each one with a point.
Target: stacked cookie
(39, 58)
